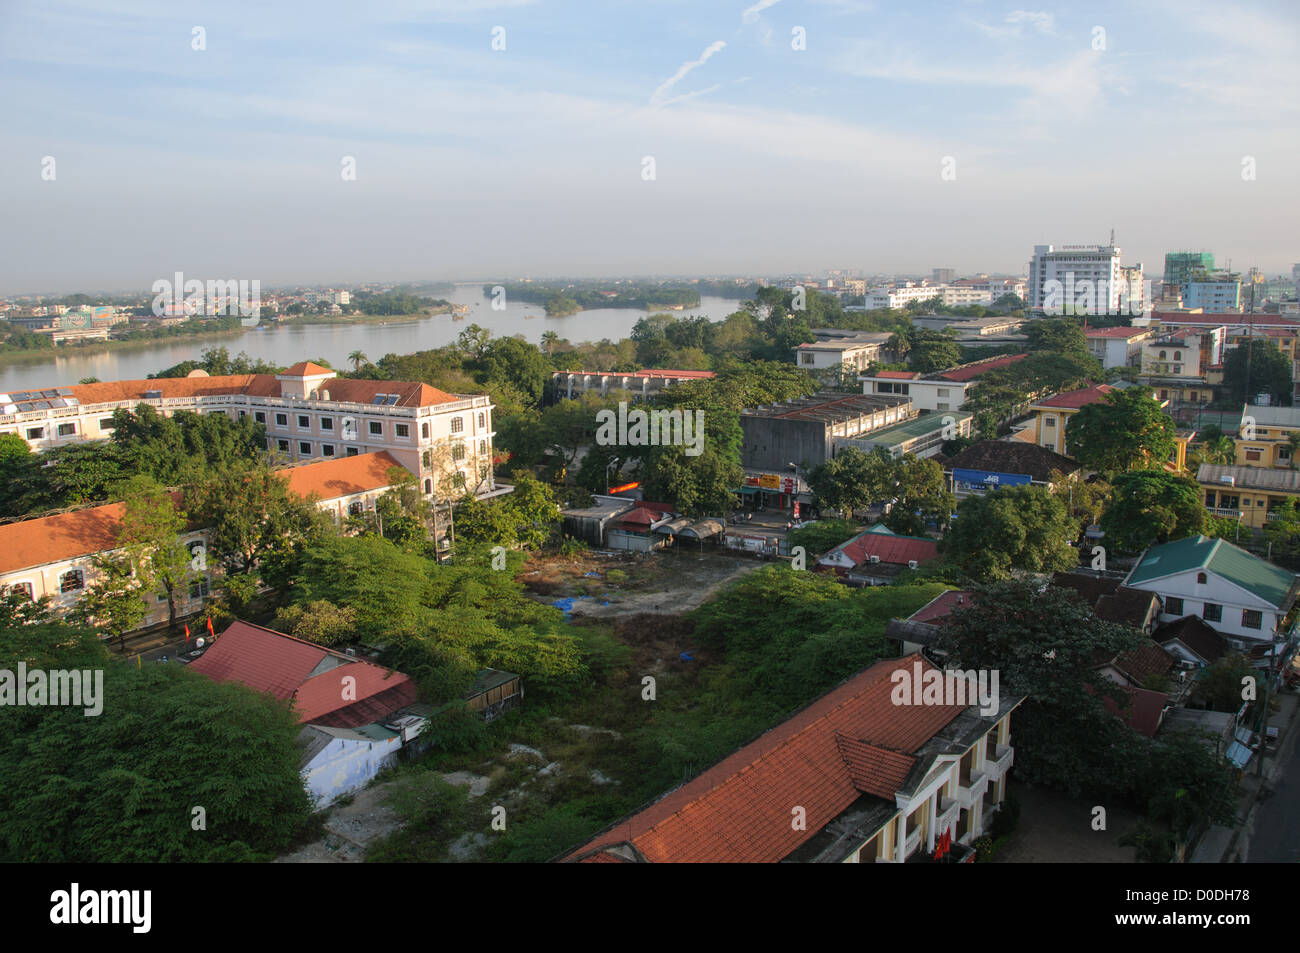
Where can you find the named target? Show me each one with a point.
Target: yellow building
(1264, 437)
(1250, 495)
(1052, 417)
(1053, 413)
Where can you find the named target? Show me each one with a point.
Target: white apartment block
(857, 351)
(901, 296)
(309, 414)
(1118, 346)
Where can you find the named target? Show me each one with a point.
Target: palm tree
(1222, 450)
(356, 357)
(549, 340)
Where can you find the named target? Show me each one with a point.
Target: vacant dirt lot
(666, 582)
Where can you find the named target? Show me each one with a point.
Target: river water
(288, 345)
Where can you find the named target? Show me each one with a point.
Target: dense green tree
(1062, 335)
(853, 479)
(933, 351)
(115, 601)
(1269, 373)
(89, 789)
(150, 536)
(923, 497)
(1018, 528)
(1149, 507)
(1126, 429)
(823, 535)
(1044, 644)
(255, 521)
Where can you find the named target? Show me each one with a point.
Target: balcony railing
(998, 760)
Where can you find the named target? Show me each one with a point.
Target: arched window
(457, 424)
(72, 580)
(1200, 578)
(482, 421)
(428, 486)
(424, 430)
(356, 508)
(1162, 355)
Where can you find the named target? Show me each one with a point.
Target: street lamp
(608, 467)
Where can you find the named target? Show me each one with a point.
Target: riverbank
(45, 355)
(89, 348)
(342, 320)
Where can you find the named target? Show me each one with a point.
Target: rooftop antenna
(1112, 238)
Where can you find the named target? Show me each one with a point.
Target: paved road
(1275, 834)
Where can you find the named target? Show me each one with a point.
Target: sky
(534, 138)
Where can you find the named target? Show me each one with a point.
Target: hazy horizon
(226, 162)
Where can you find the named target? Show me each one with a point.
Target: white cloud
(750, 15)
(658, 97)
(1015, 22)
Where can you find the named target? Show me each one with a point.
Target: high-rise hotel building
(1071, 265)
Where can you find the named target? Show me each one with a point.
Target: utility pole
(1263, 713)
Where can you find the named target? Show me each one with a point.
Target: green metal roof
(488, 679)
(918, 427)
(1271, 583)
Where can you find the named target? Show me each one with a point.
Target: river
(287, 345)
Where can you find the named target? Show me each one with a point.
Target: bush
(1153, 846)
(1006, 818)
(571, 546)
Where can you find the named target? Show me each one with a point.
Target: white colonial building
(309, 412)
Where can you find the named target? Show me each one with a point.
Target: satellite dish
(201, 642)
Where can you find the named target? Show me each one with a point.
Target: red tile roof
(971, 371)
(1117, 332)
(1076, 398)
(305, 369)
(640, 516)
(50, 539)
(890, 548)
(1145, 712)
(282, 665)
(344, 476)
(739, 810)
(874, 770)
(410, 393)
(942, 605)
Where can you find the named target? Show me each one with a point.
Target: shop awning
(704, 529)
(673, 527)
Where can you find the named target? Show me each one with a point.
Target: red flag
(210, 632)
(187, 631)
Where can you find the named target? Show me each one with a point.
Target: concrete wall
(771, 443)
(345, 765)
